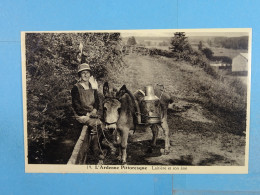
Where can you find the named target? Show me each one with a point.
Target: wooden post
(79, 154)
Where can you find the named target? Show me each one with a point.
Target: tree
(180, 45)
(209, 42)
(131, 41)
(200, 46)
(51, 69)
(208, 53)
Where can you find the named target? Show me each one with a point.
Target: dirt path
(197, 136)
(142, 71)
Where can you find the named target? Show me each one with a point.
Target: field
(158, 47)
(218, 51)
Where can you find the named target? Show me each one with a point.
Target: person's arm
(76, 104)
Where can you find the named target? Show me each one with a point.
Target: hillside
(203, 129)
(206, 122)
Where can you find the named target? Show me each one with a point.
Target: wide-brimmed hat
(149, 93)
(84, 66)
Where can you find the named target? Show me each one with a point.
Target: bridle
(106, 123)
(107, 98)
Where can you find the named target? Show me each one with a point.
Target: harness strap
(138, 116)
(109, 123)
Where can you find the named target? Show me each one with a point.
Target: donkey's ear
(105, 89)
(122, 91)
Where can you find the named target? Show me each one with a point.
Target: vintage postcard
(137, 101)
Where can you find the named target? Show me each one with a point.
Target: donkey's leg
(155, 131)
(125, 133)
(119, 157)
(165, 128)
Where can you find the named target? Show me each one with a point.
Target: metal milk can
(150, 107)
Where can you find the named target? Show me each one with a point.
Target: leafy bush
(51, 71)
(208, 52)
(159, 52)
(131, 41)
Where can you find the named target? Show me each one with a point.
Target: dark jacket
(84, 101)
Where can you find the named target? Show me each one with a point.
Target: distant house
(216, 64)
(240, 63)
(220, 65)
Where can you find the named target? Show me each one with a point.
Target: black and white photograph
(137, 101)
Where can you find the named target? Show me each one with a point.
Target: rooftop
(245, 55)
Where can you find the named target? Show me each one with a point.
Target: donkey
(119, 113)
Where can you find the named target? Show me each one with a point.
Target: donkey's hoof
(100, 162)
(124, 163)
(101, 156)
(119, 158)
(164, 151)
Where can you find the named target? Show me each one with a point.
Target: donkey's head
(112, 105)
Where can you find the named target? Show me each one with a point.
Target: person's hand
(93, 114)
(94, 111)
(82, 119)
